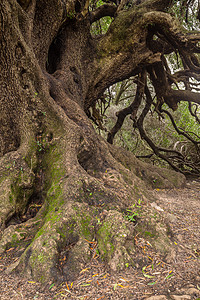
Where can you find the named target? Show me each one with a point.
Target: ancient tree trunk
(61, 185)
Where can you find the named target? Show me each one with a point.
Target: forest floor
(176, 276)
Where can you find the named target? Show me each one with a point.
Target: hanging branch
(180, 132)
(124, 86)
(194, 114)
(131, 109)
(178, 158)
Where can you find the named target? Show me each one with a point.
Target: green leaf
(51, 286)
(169, 276)
(68, 291)
(115, 285)
(151, 283)
(148, 276)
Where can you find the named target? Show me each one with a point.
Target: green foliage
(134, 212)
(101, 26)
(158, 127)
(185, 13)
(131, 215)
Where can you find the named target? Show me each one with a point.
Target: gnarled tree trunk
(62, 185)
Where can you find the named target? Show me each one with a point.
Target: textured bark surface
(60, 183)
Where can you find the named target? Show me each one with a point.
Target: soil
(154, 277)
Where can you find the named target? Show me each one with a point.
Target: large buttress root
(84, 186)
(86, 195)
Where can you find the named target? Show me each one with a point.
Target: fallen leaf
(90, 242)
(148, 276)
(144, 274)
(10, 249)
(51, 286)
(169, 276)
(123, 279)
(122, 286)
(84, 270)
(151, 283)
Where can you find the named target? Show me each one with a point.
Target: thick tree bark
(58, 178)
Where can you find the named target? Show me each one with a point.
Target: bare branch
(103, 11)
(179, 131)
(182, 95)
(194, 114)
(131, 109)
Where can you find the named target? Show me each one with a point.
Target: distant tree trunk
(58, 178)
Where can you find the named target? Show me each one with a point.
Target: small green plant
(131, 215)
(39, 145)
(133, 212)
(99, 222)
(71, 14)
(127, 265)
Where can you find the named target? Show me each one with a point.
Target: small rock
(12, 267)
(180, 237)
(154, 205)
(171, 256)
(160, 297)
(198, 278)
(193, 291)
(182, 297)
(171, 218)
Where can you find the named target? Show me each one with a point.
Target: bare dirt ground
(176, 276)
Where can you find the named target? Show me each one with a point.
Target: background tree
(62, 185)
(173, 137)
